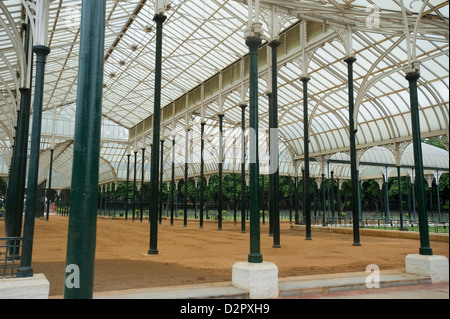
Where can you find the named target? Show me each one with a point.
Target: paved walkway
(427, 291)
(394, 285)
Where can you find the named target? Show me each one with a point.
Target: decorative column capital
(253, 41)
(159, 18)
(305, 79)
(350, 60)
(412, 77)
(274, 43)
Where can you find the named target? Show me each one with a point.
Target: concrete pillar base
(36, 287)
(259, 279)
(434, 266)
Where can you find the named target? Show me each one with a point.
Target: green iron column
(323, 199)
(172, 186)
(161, 174)
(400, 200)
(431, 200)
(16, 186)
(134, 184)
(255, 256)
(86, 152)
(49, 183)
(296, 202)
(243, 184)
(332, 198)
(33, 168)
(290, 199)
(142, 183)
(220, 199)
(154, 193)
(202, 173)
(338, 200)
(273, 123)
(359, 197)
(127, 186)
(306, 197)
(413, 200)
(353, 168)
(425, 248)
(186, 178)
(234, 198)
(386, 197)
(437, 198)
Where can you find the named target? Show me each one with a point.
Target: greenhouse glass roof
(205, 73)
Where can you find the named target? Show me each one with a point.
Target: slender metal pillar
(202, 173)
(332, 198)
(16, 186)
(220, 160)
(338, 200)
(115, 199)
(386, 198)
(413, 201)
(128, 185)
(353, 168)
(290, 200)
(431, 200)
(33, 169)
(142, 183)
(81, 239)
(306, 182)
(243, 184)
(425, 248)
(409, 200)
(261, 208)
(172, 187)
(359, 197)
(161, 174)
(323, 200)
(275, 183)
(234, 199)
(186, 178)
(105, 199)
(134, 185)
(49, 183)
(296, 199)
(255, 256)
(437, 199)
(154, 198)
(400, 199)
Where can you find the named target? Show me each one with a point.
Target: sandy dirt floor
(189, 255)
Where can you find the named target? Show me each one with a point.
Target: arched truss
(205, 72)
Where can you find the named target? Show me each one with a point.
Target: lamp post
(41, 49)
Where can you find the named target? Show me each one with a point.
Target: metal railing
(10, 252)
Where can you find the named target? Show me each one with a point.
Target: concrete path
(393, 285)
(427, 291)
